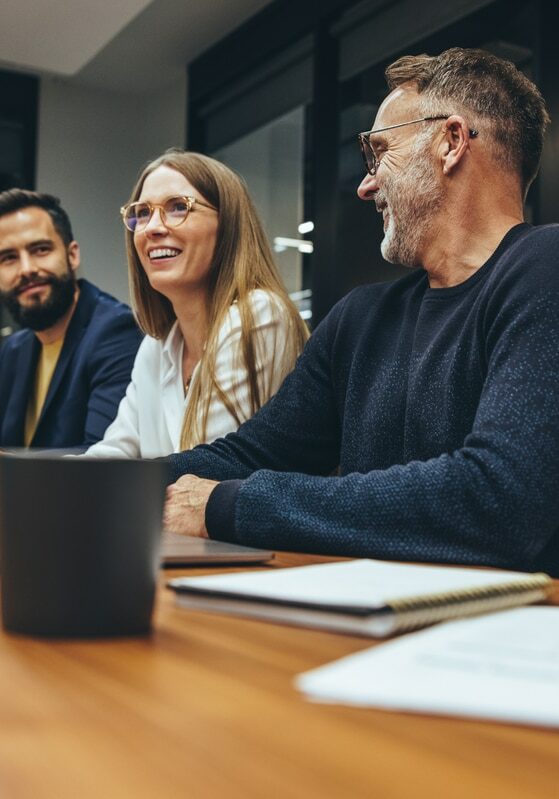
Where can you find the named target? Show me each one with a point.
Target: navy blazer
(89, 381)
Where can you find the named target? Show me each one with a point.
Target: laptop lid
(183, 550)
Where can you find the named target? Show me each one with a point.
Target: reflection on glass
(270, 160)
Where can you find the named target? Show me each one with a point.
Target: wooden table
(205, 707)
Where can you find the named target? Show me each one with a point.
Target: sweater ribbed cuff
(220, 511)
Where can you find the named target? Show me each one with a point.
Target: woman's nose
(155, 223)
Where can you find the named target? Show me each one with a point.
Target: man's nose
(27, 265)
(368, 187)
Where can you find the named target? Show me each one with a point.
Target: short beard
(414, 195)
(42, 315)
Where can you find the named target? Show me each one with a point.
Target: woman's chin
(177, 290)
(163, 282)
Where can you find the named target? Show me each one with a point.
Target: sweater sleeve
(493, 500)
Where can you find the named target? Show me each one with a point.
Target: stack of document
(365, 597)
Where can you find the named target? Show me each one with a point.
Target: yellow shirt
(45, 370)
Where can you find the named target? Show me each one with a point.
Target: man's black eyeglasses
(369, 157)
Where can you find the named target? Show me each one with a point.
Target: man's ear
(456, 143)
(74, 256)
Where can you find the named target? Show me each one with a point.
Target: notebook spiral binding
(416, 612)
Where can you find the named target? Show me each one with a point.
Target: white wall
(91, 146)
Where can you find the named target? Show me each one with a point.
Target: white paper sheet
(504, 666)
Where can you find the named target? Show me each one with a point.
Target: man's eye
(7, 259)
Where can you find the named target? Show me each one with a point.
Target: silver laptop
(183, 550)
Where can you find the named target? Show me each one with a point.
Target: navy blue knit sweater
(441, 409)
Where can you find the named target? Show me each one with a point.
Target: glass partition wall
(294, 112)
(271, 161)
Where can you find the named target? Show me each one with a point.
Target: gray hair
(492, 93)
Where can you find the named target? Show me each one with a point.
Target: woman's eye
(142, 212)
(177, 205)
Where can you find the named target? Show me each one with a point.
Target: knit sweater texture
(419, 424)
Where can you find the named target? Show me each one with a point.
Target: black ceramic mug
(79, 544)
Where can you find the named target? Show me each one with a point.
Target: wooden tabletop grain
(205, 707)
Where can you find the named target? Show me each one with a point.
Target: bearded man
(437, 395)
(62, 377)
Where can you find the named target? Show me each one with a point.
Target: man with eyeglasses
(62, 377)
(438, 394)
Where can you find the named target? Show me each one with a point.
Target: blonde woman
(221, 331)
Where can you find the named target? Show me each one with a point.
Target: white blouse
(150, 415)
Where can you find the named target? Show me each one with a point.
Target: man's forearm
(443, 510)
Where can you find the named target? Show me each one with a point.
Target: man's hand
(185, 508)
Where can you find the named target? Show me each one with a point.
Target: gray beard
(417, 195)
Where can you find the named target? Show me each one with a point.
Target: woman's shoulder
(263, 301)
(150, 345)
(264, 305)
(150, 350)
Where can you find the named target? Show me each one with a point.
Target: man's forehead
(27, 224)
(400, 105)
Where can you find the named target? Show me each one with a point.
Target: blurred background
(277, 90)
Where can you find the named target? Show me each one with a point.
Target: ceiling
(129, 45)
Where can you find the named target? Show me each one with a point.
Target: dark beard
(42, 315)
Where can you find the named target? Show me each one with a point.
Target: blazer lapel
(74, 333)
(14, 420)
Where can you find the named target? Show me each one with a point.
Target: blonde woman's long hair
(242, 261)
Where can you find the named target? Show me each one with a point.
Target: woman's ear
(456, 143)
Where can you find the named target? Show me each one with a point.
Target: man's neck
(58, 330)
(465, 236)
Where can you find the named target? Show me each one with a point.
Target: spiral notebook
(363, 597)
